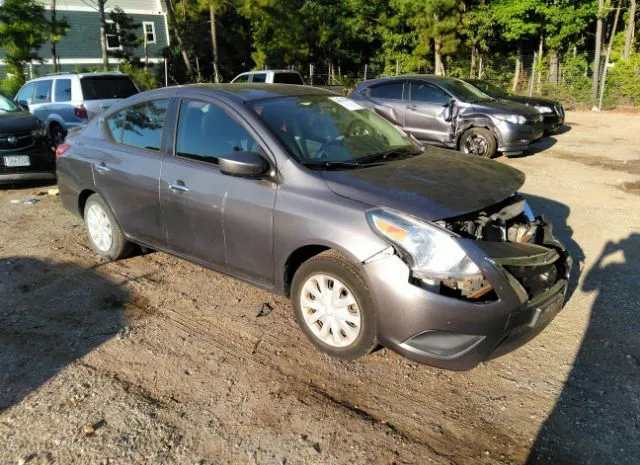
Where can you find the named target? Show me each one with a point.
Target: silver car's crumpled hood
(438, 184)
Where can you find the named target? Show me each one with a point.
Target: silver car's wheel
(99, 227)
(478, 141)
(330, 310)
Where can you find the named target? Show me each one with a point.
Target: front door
(128, 171)
(428, 113)
(220, 220)
(388, 101)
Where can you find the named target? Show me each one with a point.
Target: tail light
(62, 149)
(81, 112)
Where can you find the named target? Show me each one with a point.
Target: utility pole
(214, 42)
(54, 39)
(595, 79)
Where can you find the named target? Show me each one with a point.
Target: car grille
(559, 110)
(535, 279)
(17, 141)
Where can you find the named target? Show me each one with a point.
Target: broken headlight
(431, 252)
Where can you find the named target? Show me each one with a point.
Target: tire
(103, 231)
(358, 317)
(478, 141)
(56, 134)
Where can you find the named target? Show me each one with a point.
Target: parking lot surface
(155, 360)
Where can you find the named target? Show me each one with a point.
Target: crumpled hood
(17, 121)
(438, 184)
(506, 106)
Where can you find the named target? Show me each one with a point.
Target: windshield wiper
(336, 164)
(400, 151)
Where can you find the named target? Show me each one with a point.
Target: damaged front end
(520, 245)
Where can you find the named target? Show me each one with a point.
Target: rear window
(287, 78)
(260, 77)
(107, 87)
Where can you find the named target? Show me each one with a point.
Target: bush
(143, 78)
(10, 85)
(623, 82)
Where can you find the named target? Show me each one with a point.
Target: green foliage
(23, 30)
(126, 30)
(623, 81)
(517, 18)
(142, 77)
(479, 25)
(9, 86)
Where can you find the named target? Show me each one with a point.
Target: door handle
(412, 107)
(102, 168)
(178, 186)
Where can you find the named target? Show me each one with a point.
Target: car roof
(79, 75)
(270, 71)
(251, 92)
(418, 77)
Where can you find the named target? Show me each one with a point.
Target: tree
(23, 30)
(518, 19)
(479, 29)
(630, 29)
(59, 28)
(595, 79)
(436, 23)
(103, 34)
(176, 31)
(125, 29)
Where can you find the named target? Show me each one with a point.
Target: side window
(43, 92)
(243, 78)
(206, 131)
(26, 94)
(62, 90)
(143, 124)
(391, 91)
(421, 92)
(115, 123)
(259, 77)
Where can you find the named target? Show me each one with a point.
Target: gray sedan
(452, 113)
(310, 195)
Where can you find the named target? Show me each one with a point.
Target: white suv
(272, 76)
(64, 101)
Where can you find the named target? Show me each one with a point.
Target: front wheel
(333, 307)
(57, 134)
(478, 141)
(105, 235)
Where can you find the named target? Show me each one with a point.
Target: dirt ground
(156, 360)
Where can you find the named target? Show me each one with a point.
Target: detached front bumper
(458, 334)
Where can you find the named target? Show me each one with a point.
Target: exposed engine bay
(510, 221)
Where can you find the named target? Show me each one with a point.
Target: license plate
(18, 160)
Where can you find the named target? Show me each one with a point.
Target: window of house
(391, 91)
(111, 35)
(43, 92)
(62, 90)
(206, 131)
(140, 125)
(149, 32)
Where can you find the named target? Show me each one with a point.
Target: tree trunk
(596, 59)
(607, 55)
(103, 37)
(214, 43)
(438, 55)
(516, 74)
(474, 59)
(54, 39)
(630, 30)
(171, 15)
(539, 64)
(553, 67)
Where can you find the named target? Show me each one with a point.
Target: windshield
(7, 105)
(464, 91)
(490, 89)
(332, 130)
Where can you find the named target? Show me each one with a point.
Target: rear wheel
(333, 307)
(105, 235)
(478, 141)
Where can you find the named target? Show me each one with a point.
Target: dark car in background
(451, 113)
(376, 239)
(24, 150)
(551, 110)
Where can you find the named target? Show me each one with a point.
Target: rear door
(388, 100)
(213, 218)
(128, 171)
(41, 105)
(100, 92)
(428, 113)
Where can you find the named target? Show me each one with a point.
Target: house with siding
(80, 48)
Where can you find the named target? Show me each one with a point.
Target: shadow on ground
(545, 143)
(596, 419)
(51, 314)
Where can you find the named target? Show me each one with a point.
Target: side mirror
(243, 164)
(448, 110)
(22, 104)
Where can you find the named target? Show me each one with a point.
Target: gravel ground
(156, 360)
